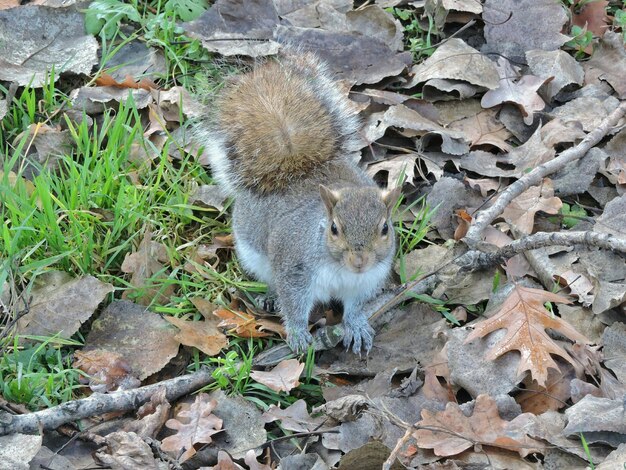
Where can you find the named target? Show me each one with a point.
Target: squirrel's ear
(390, 197)
(329, 197)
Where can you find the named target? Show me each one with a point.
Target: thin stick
(485, 217)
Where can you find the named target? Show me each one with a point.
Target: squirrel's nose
(358, 260)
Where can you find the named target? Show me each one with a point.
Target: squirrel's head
(359, 233)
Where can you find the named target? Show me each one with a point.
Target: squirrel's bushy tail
(278, 123)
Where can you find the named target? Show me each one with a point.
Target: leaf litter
(460, 121)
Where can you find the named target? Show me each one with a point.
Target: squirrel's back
(277, 124)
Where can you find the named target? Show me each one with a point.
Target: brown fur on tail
(276, 126)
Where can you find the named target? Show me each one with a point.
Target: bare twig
(477, 260)
(484, 218)
(99, 403)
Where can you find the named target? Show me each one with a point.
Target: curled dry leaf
(151, 415)
(128, 451)
(203, 335)
(282, 378)
(248, 326)
(450, 432)
(526, 319)
(129, 82)
(194, 425)
(108, 371)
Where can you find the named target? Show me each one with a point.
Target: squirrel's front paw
(299, 339)
(360, 334)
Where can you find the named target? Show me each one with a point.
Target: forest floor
(131, 338)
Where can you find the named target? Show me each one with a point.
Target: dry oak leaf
(521, 211)
(484, 427)
(248, 326)
(525, 318)
(198, 427)
(203, 335)
(282, 378)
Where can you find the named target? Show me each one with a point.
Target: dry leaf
(16, 450)
(483, 427)
(522, 93)
(151, 416)
(56, 292)
(525, 319)
(127, 451)
(146, 266)
(521, 211)
(294, 418)
(108, 371)
(129, 82)
(194, 425)
(247, 326)
(143, 338)
(282, 378)
(203, 335)
(398, 168)
(34, 39)
(224, 462)
(591, 15)
(513, 27)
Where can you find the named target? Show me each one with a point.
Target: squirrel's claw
(360, 335)
(299, 340)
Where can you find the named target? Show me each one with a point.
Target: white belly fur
(332, 282)
(253, 261)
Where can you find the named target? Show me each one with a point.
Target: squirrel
(306, 219)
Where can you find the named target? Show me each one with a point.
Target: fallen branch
(99, 403)
(485, 217)
(475, 260)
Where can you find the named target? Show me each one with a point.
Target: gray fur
(282, 238)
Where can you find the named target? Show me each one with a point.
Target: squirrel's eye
(333, 229)
(385, 229)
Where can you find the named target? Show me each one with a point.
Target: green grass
(84, 215)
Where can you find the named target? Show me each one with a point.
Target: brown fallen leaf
(129, 82)
(126, 450)
(146, 266)
(450, 432)
(591, 15)
(525, 318)
(282, 378)
(108, 371)
(143, 338)
(151, 416)
(198, 427)
(521, 211)
(248, 326)
(294, 418)
(203, 335)
(464, 220)
(55, 292)
(521, 92)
